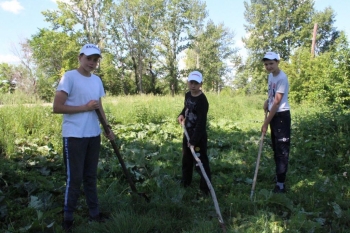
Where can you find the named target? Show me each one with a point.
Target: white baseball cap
(195, 76)
(271, 56)
(90, 49)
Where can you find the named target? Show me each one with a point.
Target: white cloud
(12, 6)
(9, 59)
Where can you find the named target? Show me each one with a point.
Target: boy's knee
(75, 182)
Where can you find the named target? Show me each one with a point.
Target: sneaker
(67, 225)
(277, 189)
(101, 217)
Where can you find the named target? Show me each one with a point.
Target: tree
(133, 21)
(117, 80)
(282, 26)
(324, 79)
(140, 40)
(84, 17)
(54, 52)
(9, 74)
(179, 20)
(277, 25)
(75, 23)
(210, 53)
(26, 80)
(326, 31)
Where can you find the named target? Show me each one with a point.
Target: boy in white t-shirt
(77, 97)
(279, 117)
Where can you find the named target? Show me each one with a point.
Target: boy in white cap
(194, 114)
(78, 95)
(279, 117)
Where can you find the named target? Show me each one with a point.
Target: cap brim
(196, 80)
(93, 54)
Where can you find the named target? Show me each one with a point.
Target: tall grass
(31, 120)
(19, 98)
(149, 137)
(131, 109)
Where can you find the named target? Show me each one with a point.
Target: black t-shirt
(195, 111)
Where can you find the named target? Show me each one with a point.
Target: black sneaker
(277, 189)
(101, 217)
(67, 225)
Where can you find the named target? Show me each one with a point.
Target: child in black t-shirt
(194, 117)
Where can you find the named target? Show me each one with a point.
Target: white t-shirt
(278, 84)
(80, 90)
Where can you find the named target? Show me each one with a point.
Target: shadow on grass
(318, 185)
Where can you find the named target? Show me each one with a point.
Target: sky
(20, 19)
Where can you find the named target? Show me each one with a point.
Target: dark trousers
(280, 136)
(80, 160)
(188, 162)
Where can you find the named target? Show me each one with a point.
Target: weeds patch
(32, 172)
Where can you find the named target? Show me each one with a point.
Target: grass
(32, 173)
(19, 98)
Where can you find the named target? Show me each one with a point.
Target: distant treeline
(149, 46)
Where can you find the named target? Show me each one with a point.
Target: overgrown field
(318, 199)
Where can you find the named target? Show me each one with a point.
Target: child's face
(89, 63)
(194, 86)
(271, 66)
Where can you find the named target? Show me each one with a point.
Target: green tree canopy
(282, 26)
(211, 52)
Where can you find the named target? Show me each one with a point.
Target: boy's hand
(92, 105)
(180, 119)
(110, 136)
(264, 128)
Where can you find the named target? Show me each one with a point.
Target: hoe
(121, 161)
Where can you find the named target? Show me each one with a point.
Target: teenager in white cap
(78, 95)
(194, 114)
(279, 117)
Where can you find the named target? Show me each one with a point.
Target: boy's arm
(273, 110)
(60, 107)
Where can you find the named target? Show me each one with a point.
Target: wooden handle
(116, 151)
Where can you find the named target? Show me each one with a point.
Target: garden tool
(211, 189)
(257, 163)
(121, 161)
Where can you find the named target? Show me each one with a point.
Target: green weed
(149, 138)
